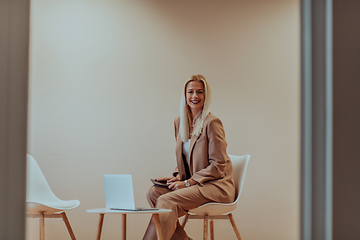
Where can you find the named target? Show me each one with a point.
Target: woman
(204, 170)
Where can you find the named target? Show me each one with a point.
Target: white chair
(41, 201)
(211, 211)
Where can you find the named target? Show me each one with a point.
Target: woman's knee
(162, 201)
(152, 196)
(154, 193)
(167, 200)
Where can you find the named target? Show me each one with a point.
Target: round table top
(108, 210)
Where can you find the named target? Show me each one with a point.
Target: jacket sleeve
(216, 153)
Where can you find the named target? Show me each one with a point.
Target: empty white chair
(211, 211)
(41, 201)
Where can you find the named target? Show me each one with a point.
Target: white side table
(103, 211)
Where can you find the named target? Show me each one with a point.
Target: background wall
(105, 84)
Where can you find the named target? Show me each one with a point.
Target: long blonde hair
(185, 112)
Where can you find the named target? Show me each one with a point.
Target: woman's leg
(152, 195)
(179, 202)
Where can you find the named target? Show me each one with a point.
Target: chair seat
(51, 207)
(212, 209)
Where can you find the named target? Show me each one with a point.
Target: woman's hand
(173, 179)
(168, 180)
(163, 179)
(176, 185)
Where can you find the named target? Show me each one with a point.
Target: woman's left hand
(176, 185)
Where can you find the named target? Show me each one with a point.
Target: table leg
(211, 223)
(42, 226)
(157, 226)
(100, 225)
(123, 220)
(206, 221)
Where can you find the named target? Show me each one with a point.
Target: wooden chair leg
(211, 221)
(101, 220)
(206, 220)
(42, 226)
(66, 221)
(185, 220)
(157, 225)
(123, 220)
(232, 221)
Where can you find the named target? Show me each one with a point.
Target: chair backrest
(240, 164)
(37, 188)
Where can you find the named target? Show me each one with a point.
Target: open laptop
(119, 193)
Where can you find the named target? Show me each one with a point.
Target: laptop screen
(118, 189)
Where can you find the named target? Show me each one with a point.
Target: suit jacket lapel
(192, 143)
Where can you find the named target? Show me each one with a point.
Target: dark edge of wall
(346, 108)
(14, 62)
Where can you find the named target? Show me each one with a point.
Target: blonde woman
(204, 171)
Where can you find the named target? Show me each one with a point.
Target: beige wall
(105, 84)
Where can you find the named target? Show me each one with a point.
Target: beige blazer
(210, 165)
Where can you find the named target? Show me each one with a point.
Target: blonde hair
(185, 112)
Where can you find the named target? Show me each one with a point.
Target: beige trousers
(179, 201)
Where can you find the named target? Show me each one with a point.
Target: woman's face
(195, 96)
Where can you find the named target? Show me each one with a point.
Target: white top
(186, 150)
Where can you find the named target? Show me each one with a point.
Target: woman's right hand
(173, 179)
(163, 179)
(168, 179)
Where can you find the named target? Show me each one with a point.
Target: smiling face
(195, 97)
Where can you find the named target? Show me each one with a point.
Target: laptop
(119, 193)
